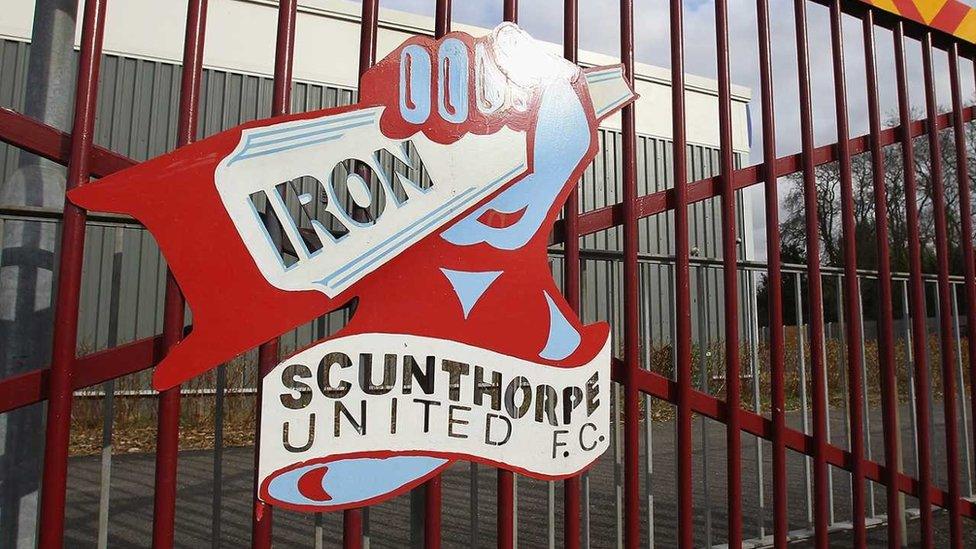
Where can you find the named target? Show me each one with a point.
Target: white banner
(383, 395)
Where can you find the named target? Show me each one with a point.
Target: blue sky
(599, 32)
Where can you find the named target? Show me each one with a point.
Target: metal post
(733, 377)
(703, 353)
(262, 515)
(352, 519)
(65, 338)
(631, 296)
(686, 509)
(945, 307)
(26, 276)
(108, 403)
(774, 284)
(474, 506)
(168, 415)
(757, 405)
(957, 336)
(804, 407)
(852, 296)
(918, 307)
(886, 337)
(571, 276)
(814, 282)
(969, 256)
(218, 459)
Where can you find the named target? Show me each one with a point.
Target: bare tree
(828, 183)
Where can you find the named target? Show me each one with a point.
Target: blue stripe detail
(601, 76)
(613, 105)
(312, 124)
(279, 149)
(355, 124)
(302, 141)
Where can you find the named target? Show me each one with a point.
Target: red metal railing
(68, 372)
(889, 385)
(168, 415)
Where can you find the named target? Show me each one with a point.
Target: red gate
(69, 372)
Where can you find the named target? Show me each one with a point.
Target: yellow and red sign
(951, 16)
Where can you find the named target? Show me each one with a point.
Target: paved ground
(389, 523)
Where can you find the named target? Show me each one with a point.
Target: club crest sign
(425, 210)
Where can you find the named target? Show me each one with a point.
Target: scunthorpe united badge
(459, 344)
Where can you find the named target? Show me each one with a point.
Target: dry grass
(713, 366)
(135, 417)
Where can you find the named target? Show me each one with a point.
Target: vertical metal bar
(617, 443)
(957, 337)
(551, 514)
(367, 35)
(918, 306)
(262, 517)
(474, 507)
(966, 230)
(909, 363)
(911, 409)
(847, 403)
(365, 537)
(571, 274)
(682, 304)
(505, 483)
(649, 467)
(432, 513)
(510, 12)
(105, 479)
(319, 532)
(804, 407)
(864, 403)
(852, 296)
(774, 284)
(515, 514)
(585, 524)
(174, 309)
(506, 504)
(814, 286)
(108, 405)
(65, 338)
(733, 378)
(352, 519)
(432, 491)
(631, 297)
(945, 306)
(442, 17)
(703, 352)
(886, 338)
(218, 460)
(969, 258)
(417, 498)
(757, 406)
(938, 328)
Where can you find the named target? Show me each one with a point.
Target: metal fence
(868, 460)
(137, 99)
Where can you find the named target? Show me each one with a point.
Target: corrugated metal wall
(124, 272)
